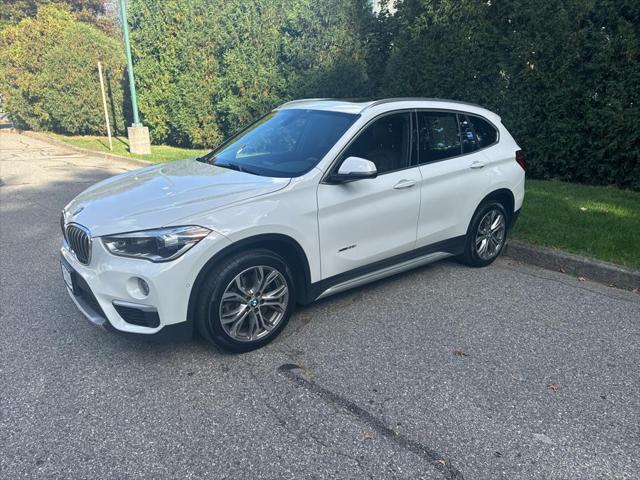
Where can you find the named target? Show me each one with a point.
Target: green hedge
(206, 68)
(564, 76)
(49, 74)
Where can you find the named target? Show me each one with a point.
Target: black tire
(471, 256)
(208, 321)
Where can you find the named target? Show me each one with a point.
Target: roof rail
(414, 99)
(303, 100)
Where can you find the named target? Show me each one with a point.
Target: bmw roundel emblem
(77, 211)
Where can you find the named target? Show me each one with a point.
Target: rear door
(453, 175)
(368, 220)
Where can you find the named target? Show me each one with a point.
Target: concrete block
(139, 140)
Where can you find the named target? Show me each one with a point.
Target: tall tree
(95, 12)
(324, 50)
(205, 68)
(48, 73)
(564, 76)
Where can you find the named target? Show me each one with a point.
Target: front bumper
(106, 290)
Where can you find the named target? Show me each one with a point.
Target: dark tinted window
(469, 141)
(284, 143)
(485, 132)
(385, 142)
(438, 136)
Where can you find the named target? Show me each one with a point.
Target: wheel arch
(283, 245)
(504, 196)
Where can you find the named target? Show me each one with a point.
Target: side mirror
(354, 168)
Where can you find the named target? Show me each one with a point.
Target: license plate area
(69, 276)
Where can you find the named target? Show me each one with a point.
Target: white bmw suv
(316, 197)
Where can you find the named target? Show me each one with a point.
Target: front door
(368, 220)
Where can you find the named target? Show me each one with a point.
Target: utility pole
(104, 106)
(137, 133)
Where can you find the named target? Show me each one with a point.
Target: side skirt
(385, 268)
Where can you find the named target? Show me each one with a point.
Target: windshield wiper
(237, 167)
(230, 166)
(211, 160)
(206, 158)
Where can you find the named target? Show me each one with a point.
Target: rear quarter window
(485, 132)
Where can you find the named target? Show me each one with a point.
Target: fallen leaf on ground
(553, 387)
(541, 437)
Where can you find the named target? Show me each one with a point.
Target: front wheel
(487, 234)
(246, 301)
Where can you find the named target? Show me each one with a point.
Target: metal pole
(127, 47)
(104, 104)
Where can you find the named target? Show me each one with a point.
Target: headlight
(160, 245)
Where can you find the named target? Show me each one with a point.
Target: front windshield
(284, 143)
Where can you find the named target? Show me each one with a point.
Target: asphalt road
(506, 372)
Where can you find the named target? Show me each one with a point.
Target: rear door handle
(402, 184)
(477, 164)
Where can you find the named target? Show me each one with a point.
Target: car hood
(156, 196)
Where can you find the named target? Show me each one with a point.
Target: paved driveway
(444, 372)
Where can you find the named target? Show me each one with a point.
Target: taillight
(521, 158)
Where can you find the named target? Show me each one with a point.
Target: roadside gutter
(582, 267)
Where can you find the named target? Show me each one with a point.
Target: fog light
(137, 287)
(143, 286)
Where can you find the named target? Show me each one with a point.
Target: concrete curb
(596, 270)
(134, 162)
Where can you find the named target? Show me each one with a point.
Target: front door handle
(402, 184)
(477, 164)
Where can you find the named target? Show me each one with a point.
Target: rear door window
(438, 136)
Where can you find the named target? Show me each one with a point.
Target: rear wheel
(246, 301)
(487, 234)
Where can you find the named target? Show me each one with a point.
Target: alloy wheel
(254, 303)
(491, 234)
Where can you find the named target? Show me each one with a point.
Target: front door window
(385, 142)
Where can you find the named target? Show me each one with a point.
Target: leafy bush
(95, 12)
(206, 68)
(564, 77)
(49, 74)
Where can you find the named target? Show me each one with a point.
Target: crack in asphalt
(308, 434)
(433, 457)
